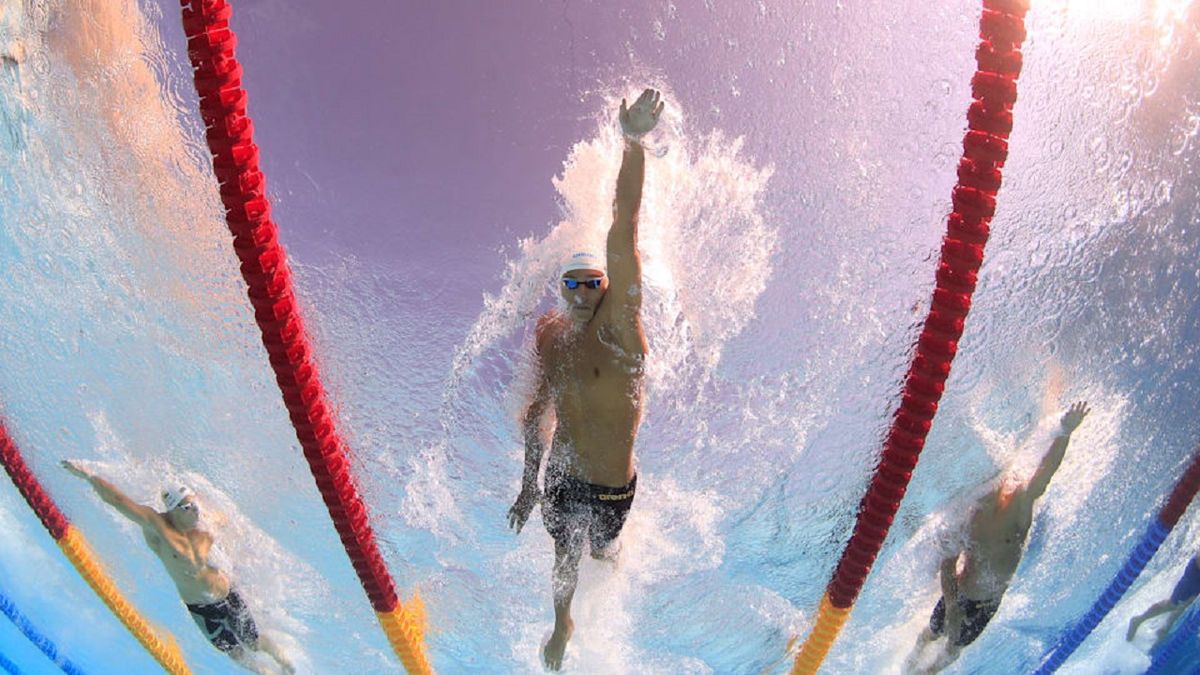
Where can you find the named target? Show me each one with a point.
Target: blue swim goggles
(572, 284)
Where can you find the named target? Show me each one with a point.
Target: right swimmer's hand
(954, 619)
(76, 470)
(519, 512)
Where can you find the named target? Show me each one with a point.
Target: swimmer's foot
(608, 554)
(552, 653)
(245, 660)
(285, 664)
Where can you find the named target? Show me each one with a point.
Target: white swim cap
(582, 260)
(172, 497)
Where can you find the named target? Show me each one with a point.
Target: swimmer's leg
(945, 657)
(246, 660)
(923, 641)
(12, 53)
(607, 522)
(270, 648)
(566, 576)
(610, 553)
(12, 47)
(929, 634)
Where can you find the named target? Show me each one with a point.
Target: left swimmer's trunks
(975, 617)
(226, 623)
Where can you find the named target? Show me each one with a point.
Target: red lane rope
(1185, 490)
(264, 266)
(985, 148)
(55, 522)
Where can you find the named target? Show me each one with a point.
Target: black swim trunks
(976, 615)
(226, 623)
(572, 508)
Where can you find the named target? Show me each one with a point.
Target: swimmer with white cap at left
(188, 552)
(591, 358)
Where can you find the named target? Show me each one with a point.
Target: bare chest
(998, 542)
(182, 552)
(585, 366)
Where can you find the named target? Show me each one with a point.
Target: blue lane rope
(1072, 638)
(1181, 635)
(43, 643)
(8, 666)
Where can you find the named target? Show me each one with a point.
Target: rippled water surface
(429, 166)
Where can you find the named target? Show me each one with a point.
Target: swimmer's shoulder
(549, 326)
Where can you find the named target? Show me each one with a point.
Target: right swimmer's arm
(142, 515)
(622, 303)
(531, 424)
(1058, 449)
(535, 448)
(949, 577)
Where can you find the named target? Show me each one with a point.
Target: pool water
(430, 165)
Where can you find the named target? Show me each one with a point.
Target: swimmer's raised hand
(1073, 416)
(519, 512)
(638, 119)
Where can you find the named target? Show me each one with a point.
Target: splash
(706, 251)
(706, 255)
(705, 244)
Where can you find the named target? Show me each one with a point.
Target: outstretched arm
(1054, 456)
(624, 298)
(138, 513)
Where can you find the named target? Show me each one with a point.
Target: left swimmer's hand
(1072, 418)
(76, 470)
(638, 119)
(519, 512)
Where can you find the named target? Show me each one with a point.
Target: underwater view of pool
(430, 165)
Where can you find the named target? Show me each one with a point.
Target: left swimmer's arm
(144, 516)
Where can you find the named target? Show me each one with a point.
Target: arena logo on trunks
(614, 498)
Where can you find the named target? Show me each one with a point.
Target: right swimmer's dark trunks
(975, 616)
(226, 623)
(572, 508)
(1188, 585)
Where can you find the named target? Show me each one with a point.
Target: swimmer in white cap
(188, 553)
(591, 359)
